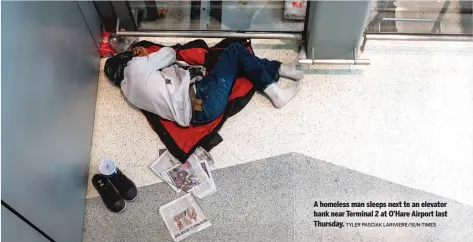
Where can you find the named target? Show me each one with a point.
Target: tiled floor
(405, 118)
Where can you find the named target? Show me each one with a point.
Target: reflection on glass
(423, 17)
(278, 16)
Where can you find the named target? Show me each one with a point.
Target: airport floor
(405, 121)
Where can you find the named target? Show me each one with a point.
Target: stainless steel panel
(211, 34)
(49, 80)
(92, 19)
(14, 229)
(335, 28)
(364, 62)
(421, 37)
(123, 11)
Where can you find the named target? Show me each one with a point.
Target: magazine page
(184, 217)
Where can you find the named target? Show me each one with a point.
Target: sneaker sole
(121, 211)
(132, 199)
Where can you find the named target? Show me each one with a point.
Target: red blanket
(182, 141)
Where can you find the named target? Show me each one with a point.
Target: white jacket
(165, 92)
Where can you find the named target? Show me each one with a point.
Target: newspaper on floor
(202, 155)
(165, 162)
(193, 176)
(184, 217)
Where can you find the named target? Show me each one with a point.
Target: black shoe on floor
(125, 187)
(109, 195)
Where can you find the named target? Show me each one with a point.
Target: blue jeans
(215, 88)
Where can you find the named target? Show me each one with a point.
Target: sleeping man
(181, 93)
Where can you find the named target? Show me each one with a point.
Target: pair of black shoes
(114, 190)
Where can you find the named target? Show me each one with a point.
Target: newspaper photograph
(203, 155)
(206, 184)
(184, 217)
(183, 176)
(193, 176)
(165, 162)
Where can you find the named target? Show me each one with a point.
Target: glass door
(234, 16)
(442, 17)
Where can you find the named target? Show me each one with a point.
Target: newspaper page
(184, 217)
(192, 176)
(203, 155)
(207, 184)
(165, 162)
(184, 176)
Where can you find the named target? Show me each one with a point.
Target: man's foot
(281, 96)
(290, 71)
(109, 195)
(125, 187)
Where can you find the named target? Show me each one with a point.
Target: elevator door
(14, 229)
(49, 77)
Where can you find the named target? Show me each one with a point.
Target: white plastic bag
(121, 43)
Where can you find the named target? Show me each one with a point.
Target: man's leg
(214, 89)
(264, 74)
(274, 69)
(236, 59)
(290, 71)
